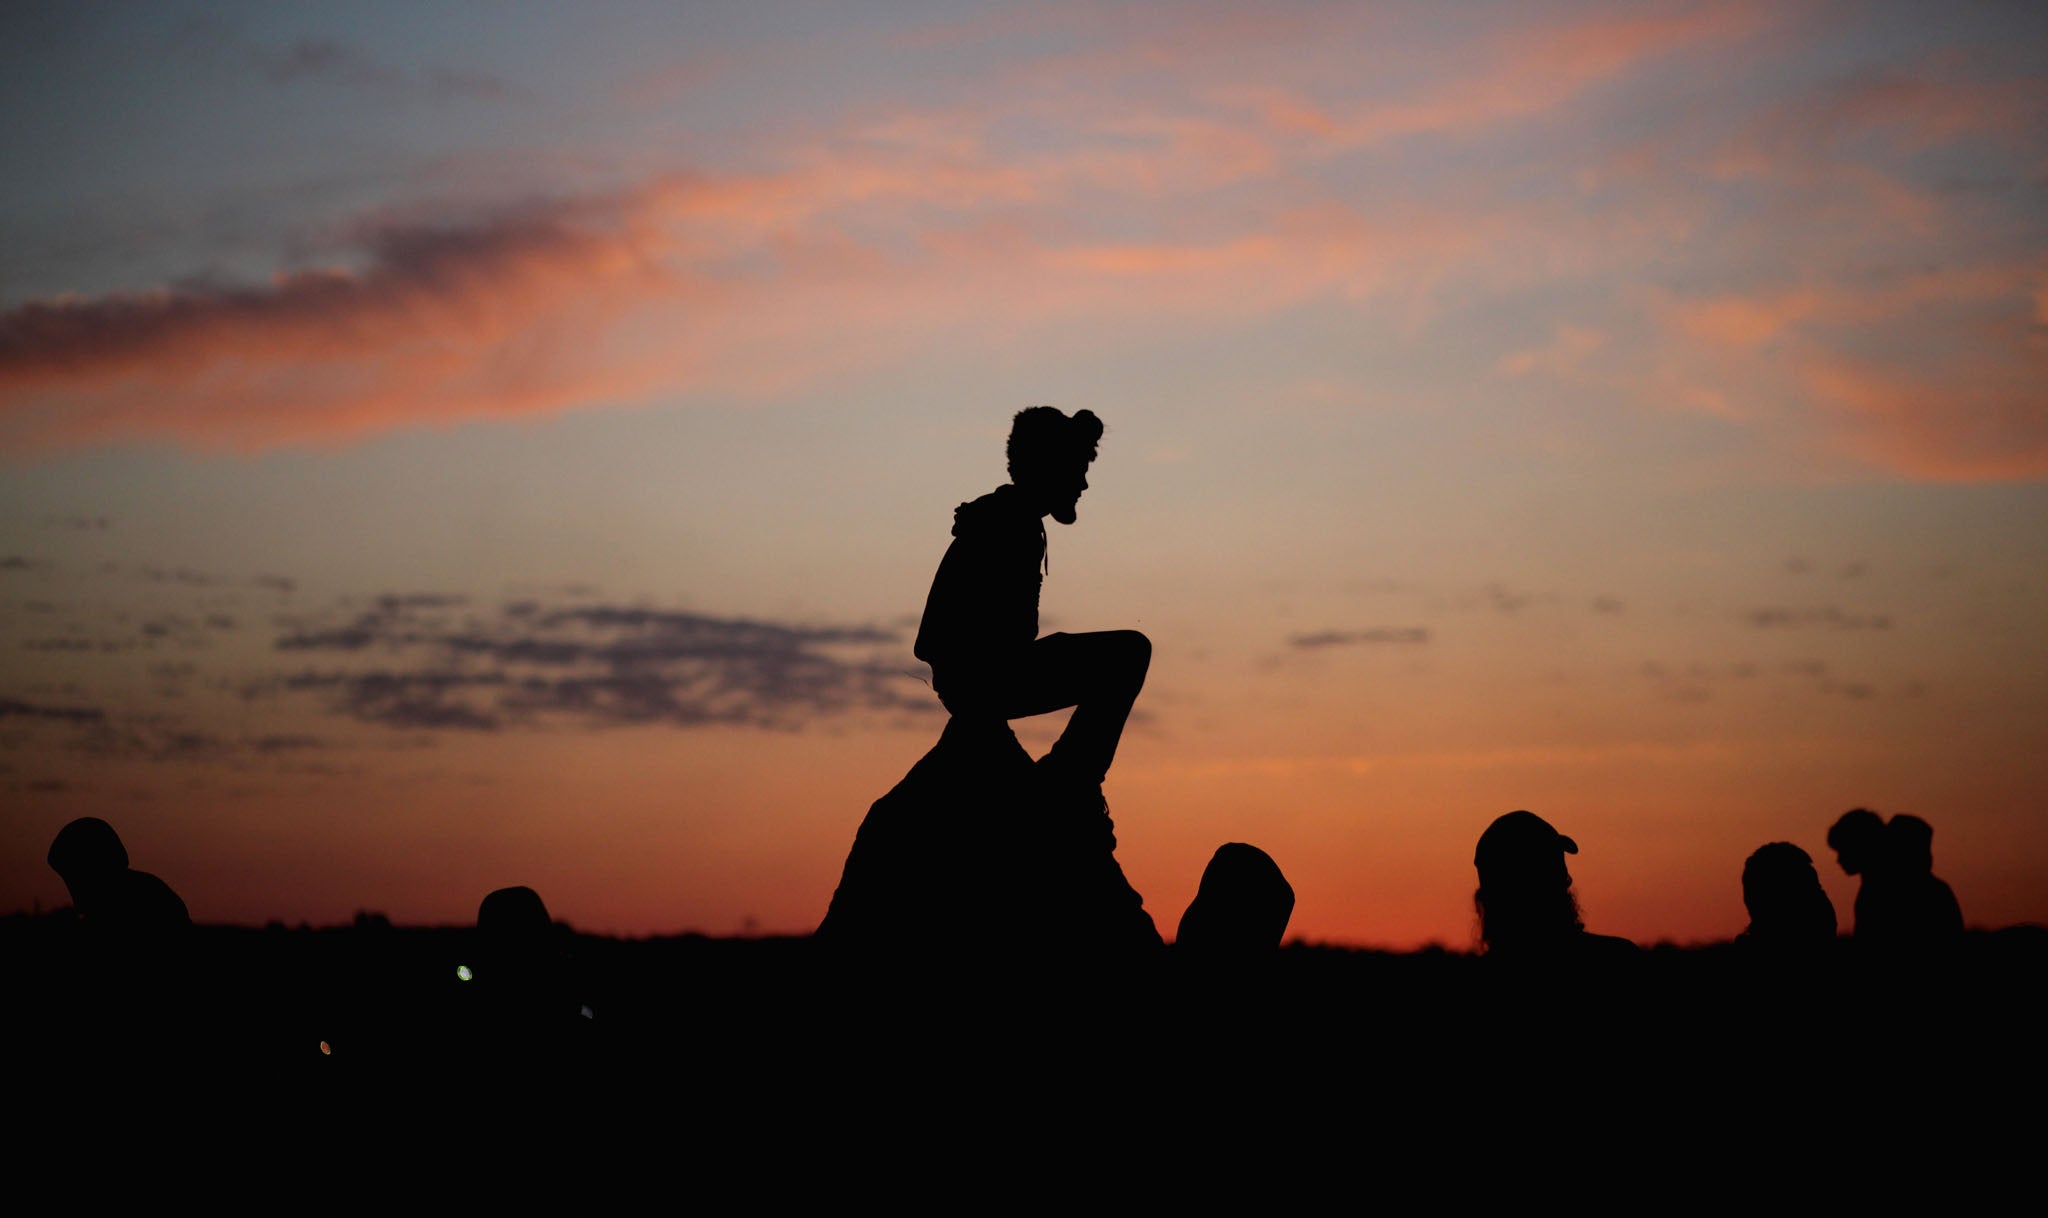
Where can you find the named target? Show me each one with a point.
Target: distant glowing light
(326, 1050)
(588, 1013)
(462, 972)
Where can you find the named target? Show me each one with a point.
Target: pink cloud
(1985, 419)
(437, 324)
(1562, 356)
(752, 283)
(908, 231)
(1935, 102)
(1750, 320)
(1937, 376)
(1520, 75)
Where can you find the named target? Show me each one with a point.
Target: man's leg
(1099, 675)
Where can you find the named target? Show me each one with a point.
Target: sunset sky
(452, 446)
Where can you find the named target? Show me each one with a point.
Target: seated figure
(979, 847)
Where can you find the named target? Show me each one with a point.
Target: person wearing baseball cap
(1527, 908)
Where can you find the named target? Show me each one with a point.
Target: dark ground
(358, 1048)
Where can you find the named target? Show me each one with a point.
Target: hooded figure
(1242, 907)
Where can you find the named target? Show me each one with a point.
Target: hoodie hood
(1002, 509)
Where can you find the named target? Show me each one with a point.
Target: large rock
(976, 851)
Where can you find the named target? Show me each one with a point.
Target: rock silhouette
(978, 850)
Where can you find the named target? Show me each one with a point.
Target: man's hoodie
(983, 607)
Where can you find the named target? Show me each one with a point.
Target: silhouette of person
(1241, 908)
(113, 900)
(1788, 909)
(980, 627)
(522, 978)
(1858, 840)
(1924, 906)
(129, 982)
(1527, 909)
(1899, 901)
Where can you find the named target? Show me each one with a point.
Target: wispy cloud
(13, 709)
(1200, 200)
(1827, 616)
(1402, 635)
(436, 663)
(1524, 73)
(330, 61)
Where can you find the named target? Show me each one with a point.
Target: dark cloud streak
(1405, 635)
(1828, 617)
(597, 665)
(12, 709)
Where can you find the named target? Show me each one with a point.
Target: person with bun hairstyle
(980, 626)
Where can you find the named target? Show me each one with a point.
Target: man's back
(983, 604)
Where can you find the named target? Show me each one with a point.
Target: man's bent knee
(1134, 652)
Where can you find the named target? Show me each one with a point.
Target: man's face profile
(1060, 489)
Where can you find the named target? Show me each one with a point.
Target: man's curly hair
(1041, 436)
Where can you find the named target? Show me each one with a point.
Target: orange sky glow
(438, 459)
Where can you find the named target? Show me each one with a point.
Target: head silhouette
(514, 915)
(1858, 840)
(515, 937)
(1782, 892)
(87, 848)
(1909, 844)
(1525, 896)
(1242, 906)
(1049, 456)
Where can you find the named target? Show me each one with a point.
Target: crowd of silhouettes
(523, 987)
(981, 857)
(1900, 903)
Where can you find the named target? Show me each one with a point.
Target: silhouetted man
(1860, 844)
(980, 627)
(1527, 910)
(1927, 912)
(1857, 839)
(131, 977)
(112, 899)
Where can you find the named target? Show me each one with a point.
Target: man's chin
(1064, 513)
